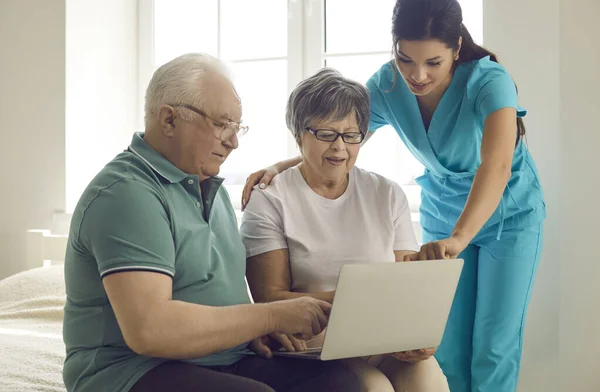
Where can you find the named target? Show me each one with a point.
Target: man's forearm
(181, 330)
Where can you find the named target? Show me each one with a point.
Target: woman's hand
(448, 248)
(264, 176)
(264, 345)
(414, 356)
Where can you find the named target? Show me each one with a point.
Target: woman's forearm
(278, 295)
(486, 193)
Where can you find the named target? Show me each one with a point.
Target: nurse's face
(425, 66)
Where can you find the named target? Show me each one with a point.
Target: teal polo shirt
(141, 213)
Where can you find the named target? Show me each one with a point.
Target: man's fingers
(299, 345)
(325, 307)
(316, 324)
(285, 342)
(303, 335)
(323, 319)
(262, 349)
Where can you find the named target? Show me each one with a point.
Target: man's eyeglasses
(228, 129)
(327, 135)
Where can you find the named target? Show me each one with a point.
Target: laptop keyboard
(316, 350)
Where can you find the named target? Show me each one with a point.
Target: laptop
(381, 308)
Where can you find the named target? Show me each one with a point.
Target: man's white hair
(180, 82)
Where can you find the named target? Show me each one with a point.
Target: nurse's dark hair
(415, 20)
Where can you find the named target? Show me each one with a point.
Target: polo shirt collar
(157, 162)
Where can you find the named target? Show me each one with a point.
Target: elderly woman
(325, 213)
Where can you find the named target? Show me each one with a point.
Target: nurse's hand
(448, 248)
(264, 177)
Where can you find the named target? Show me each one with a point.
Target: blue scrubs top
(450, 149)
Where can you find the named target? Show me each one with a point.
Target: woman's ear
(457, 54)
(299, 141)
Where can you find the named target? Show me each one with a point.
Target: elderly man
(156, 297)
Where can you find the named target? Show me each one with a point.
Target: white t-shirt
(364, 225)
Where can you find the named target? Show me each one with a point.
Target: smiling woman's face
(330, 161)
(425, 65)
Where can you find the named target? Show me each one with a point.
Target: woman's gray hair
(180, 82)
(327, 95)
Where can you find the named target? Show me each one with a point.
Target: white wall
(529, 48)
(580, 178)
(68, 76)
(101, 87)
(32, 113)
(551, 48)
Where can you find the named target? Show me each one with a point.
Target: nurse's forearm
(486, 193)
(284, 165)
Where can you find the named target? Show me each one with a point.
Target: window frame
(305, 40)
(306, 54)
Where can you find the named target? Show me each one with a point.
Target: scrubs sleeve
(377, 114)
(496, 91)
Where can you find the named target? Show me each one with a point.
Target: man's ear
(166, 119)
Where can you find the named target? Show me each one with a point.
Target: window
(358, 53)
(272, 45)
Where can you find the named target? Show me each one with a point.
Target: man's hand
(302, 317)
(415, 356)
(265, 345)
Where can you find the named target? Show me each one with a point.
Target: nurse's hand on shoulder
(264, 177)
(448, 248)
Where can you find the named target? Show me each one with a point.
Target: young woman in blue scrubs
(457, 111)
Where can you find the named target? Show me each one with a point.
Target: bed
(31, 312)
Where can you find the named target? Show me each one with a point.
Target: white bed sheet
(31, 346)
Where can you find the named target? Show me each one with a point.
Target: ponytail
(471, 51)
